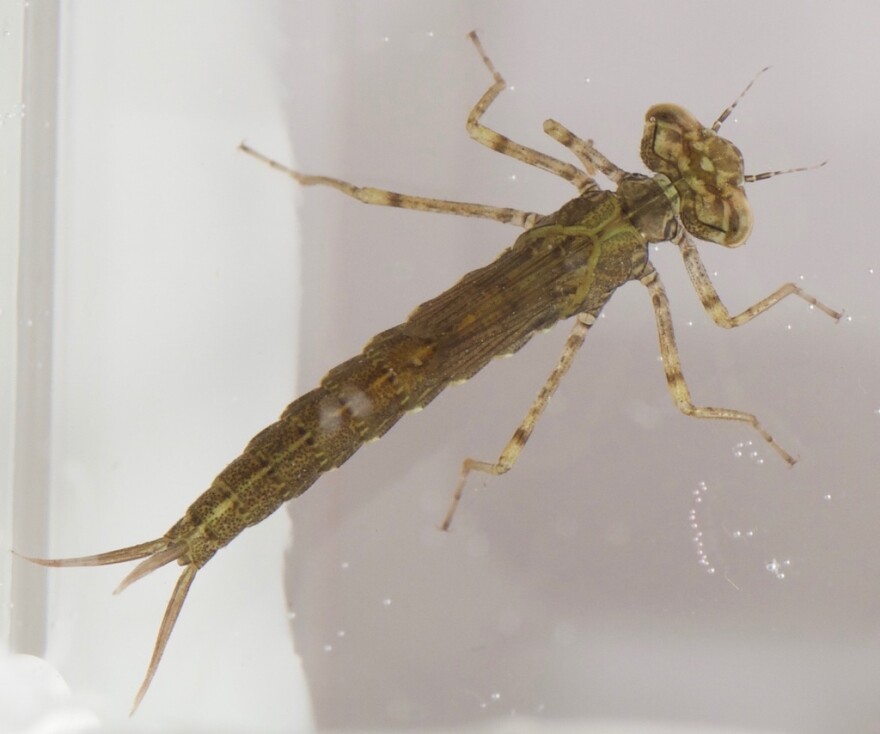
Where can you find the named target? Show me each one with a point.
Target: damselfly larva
(565, 265)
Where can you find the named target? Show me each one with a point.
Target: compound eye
(724, 220)
(668, 129)
(668, 142)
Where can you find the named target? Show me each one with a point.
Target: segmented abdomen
(492, 311)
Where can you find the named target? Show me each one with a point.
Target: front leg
(675, 377)
(502, 144)
(584, 150)
(712, 301)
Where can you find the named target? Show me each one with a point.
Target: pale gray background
(572, 588)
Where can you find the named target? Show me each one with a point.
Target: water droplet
(328, 648)
(495, 696)
(386, 602)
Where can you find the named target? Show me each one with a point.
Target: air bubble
(697, 538)
(778, 568)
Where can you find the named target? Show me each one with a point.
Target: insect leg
(381, 197)
(712, 302)
(521, 435)
(675, 378)
(584, 150)
(502, 144)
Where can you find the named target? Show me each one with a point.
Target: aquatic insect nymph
(565, 265)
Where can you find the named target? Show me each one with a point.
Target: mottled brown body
(570, 262)
(566, 264)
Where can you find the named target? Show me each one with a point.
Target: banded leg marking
(502, 144)
(675, 378)
(521, 435)
(382, 197)
(712, 302)
(584, 150)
